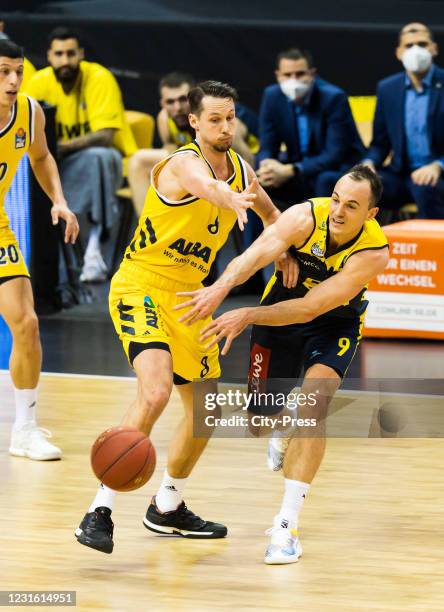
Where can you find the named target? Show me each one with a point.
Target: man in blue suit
(312, 118)
(409, 123)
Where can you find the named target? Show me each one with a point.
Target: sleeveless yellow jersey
(179, 240)
(317, 263)
(179, 137)
(15, 139)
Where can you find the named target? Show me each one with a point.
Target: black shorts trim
(4, 279)
(179, 380)
(135, 348)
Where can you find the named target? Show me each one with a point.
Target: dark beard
(69, 75)
(222, 148)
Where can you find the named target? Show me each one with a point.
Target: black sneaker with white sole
(181, 522)
(96, 530)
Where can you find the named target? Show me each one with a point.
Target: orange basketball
(123, 458)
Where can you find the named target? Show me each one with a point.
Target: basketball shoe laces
(188, 516)
(101, 520)
(281, 536)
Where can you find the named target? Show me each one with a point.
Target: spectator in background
(92, 136)
(409, 123)
(29, 69)
(312, 118)
(175, 131)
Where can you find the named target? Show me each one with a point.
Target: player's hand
(289, 268)
(203, 302)
(272, 173)
(61, 211)
(241, 202)
(229, 326)
(427, 175)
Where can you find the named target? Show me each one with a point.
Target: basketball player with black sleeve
(314, 327)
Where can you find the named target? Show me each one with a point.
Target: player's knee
(26, 329)
(155, 400)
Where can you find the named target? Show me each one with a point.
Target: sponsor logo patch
(20, 139)
(318, 249)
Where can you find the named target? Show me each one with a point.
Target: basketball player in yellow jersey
(174, 131)
(22, 131)
(314, 327)
(197, 195)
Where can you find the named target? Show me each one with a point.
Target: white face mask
(417, 59)
(294, 89)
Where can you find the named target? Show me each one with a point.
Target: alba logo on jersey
(20, 139)
(191, 248)
(151, 318)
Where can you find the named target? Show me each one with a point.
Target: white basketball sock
(104, 497)
(294, 497)
(25, 406)
(169, 495)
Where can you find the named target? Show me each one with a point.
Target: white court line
(242, 385)
(70, 375)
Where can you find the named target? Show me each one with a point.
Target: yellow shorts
(141, 306)
(12, 262)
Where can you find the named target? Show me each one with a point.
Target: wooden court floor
(371, 527)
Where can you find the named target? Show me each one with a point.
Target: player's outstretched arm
(292, 227)
(191, 173)
(331, 293)
(268, 213)
(47, 174)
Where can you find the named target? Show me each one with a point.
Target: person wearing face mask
(409, 124)
(311, 119)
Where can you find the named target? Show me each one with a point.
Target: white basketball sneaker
(94, 268)
(277, 447)
(31, 441)
(284, 546)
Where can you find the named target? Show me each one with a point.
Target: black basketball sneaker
(181, 522)
(96, 530)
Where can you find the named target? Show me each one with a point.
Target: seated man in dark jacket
(409, 123)
(312, 118)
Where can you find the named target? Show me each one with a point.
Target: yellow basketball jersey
(179, 137)
(179, 240)
(317, 263)
(15, 139)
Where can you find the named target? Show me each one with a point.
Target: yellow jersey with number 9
(15, 139)
(179, 239)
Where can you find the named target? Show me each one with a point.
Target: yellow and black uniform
(15, 139)
(179, 137)
(172, 250)
(332, 338)
(94, 103)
